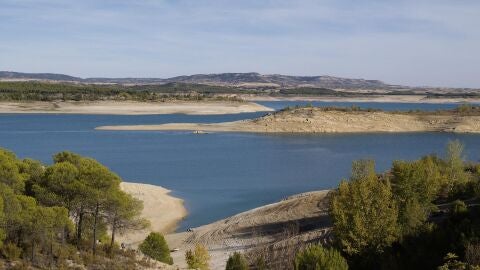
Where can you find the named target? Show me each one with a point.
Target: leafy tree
(315, 257)
(100, 182)
(123, 213)
(12, 221)
(34, 170)
(415, 185)
(59, 186)
(198, 258)
(455, 167)
(236, 261)
(2, 223)
(155, 247)
(364, 212)
(67, 156)
(10, 171)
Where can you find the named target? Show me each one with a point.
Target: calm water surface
(219, 174)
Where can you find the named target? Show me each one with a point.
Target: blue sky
(407, 42)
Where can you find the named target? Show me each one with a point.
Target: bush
(459, 207)
(318, 258)
(11, 252)
(198, 258)
(452, 263)
(236, 262)
(155, 247)
(364, 212)
(260, 264)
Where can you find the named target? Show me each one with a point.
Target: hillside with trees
(184, 90)
(420, 214)
(64, 215)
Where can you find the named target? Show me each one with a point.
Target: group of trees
(42, 91)
(72, 204)
(412, 216)
(421, 214)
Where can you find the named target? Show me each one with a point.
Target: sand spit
(317, 120)
(269, 224)
(132, 107)
(161, 209)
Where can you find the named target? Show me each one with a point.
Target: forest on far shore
(61, 91)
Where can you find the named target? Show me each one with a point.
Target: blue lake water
(219, 174)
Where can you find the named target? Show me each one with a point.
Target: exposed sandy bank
(366, 98)
(132, 108)
(315, 120)
(270, 224)
(161, 209)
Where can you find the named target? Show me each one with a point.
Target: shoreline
(132, 107)
(316, 120)
(163, 210)
(373, 98)
(262, 225)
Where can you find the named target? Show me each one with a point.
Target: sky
(408, 42)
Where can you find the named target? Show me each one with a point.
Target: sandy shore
(161, 209)
(370, 98)
(132, 108)
(266, 225)
(315, 120)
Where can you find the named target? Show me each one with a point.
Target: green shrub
(364, 212)
(260, 264)
(459, 207)
(11, 252)
(198, 258)
(318, 258)
(236, 262)
(452, 263)
(155, 247)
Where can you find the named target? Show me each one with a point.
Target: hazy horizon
(413, 43)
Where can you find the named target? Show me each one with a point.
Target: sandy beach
(264, 225)
(316, 120)
(132, 107)
(162, 210)
(306, 214)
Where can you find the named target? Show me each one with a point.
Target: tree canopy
(39, 202)
(315, 257)
(364, 212)
(155, 247)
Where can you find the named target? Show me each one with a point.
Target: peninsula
(465, 119)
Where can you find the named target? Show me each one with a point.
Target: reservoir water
(221, 174)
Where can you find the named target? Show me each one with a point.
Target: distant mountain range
(251, 80)
(247, 80)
